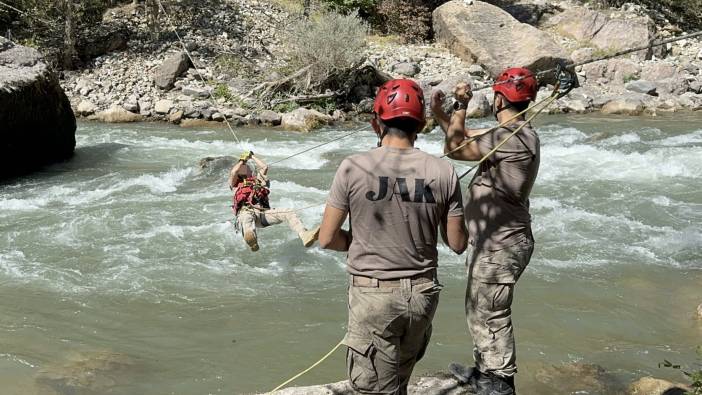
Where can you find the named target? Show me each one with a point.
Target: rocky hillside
(237, 46)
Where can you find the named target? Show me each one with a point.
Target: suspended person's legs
(280, 215)
(247, 222)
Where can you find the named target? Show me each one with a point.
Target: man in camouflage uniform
(499, 223)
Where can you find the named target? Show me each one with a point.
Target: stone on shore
(652, 386)
(624, 106)
(479, 106)
(463, 29)
(163, 106)
(86, 107)
(304, 120)
(117, 114)
(406, 69)
(172, 68)
(699, 311)
(38, 125)
(640, 86)
(269, 117)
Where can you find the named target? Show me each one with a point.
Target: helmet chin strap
(382, 135)
(500, 110)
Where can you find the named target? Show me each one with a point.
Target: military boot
(251, 240)
(491, 384)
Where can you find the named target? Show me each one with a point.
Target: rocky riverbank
(576, 378)
(238, 45)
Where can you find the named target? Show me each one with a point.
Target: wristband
(457, 105)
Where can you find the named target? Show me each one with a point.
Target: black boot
(491, 384)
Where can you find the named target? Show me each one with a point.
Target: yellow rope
(290, 380)
(550, 100)
(503, 124)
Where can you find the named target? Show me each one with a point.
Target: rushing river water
(120, 275)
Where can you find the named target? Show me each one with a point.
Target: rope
(651, 44)
(498, 146)
(319, 145)
(202, 78)
(314, 365)
(475, 137)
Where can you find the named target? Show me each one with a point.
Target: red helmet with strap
(517, 84)
(400, 99)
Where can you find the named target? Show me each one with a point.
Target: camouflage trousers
(389, 329)
(492, 276)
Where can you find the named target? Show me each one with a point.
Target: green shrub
(329, 43)
(221, 91)
(364, 7)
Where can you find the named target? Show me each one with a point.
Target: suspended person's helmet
(400, 99)
(517, 85)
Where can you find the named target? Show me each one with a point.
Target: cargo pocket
(501, 267)
(361, 370)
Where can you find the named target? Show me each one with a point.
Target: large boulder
(617, 71)
(37, 125)
(215, 165)
(171, 68)
(652, 386)
(503, 42)
(304, 120)
(607, 34)
(101, 41)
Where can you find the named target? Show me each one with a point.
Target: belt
(421, 278)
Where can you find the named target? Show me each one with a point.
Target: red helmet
(400, 99)
(517, 85)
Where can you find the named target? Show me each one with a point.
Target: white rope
(202, 78)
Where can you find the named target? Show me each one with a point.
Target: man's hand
(463, 93)
(437, 100)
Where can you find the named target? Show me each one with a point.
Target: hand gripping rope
(567, 81)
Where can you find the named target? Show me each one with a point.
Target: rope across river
(559, 91)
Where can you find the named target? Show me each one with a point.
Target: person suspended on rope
(398, 198)
(251, 205)
(499, 223)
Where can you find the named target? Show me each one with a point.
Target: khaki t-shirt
(497, 206)
(396, 199)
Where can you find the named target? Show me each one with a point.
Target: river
(121, 263)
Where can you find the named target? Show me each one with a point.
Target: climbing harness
(250, 192)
